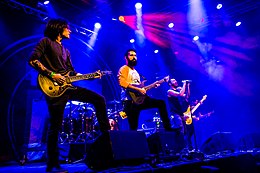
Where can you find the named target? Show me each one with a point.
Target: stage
(221, 163)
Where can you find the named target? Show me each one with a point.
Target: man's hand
(142, 91)
(157, 85)
(58, 78)
(99, 74)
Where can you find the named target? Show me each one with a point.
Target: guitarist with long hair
(53, 62)
(134, 95)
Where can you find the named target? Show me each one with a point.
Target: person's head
(131, 58)
(173, 83)
(57, 27)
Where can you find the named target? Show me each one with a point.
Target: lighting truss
(43, 15)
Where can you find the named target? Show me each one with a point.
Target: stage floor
(218, 163)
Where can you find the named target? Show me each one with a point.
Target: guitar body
(188, 121)
(137, 98)
(51, 88)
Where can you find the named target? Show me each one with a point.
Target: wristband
(52, 74)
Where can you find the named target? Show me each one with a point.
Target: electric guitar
(55, 89)
(201, 116)
(139, 98)
(189, 112)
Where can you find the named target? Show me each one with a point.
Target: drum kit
(80, 123)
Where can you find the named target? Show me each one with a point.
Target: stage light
(171, 25)
(195, 38)
(121, 18)
(156, 51)
(132, 40)
(97, 25)
(219, 6)
(238, 23)
(138, 5)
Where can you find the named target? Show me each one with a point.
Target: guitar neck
(198, 104)
(154, 84)
(71, 79)
(195, 107)
(82, 77)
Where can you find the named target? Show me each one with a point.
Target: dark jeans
(189, 133)
(56, 108)
(133, 110)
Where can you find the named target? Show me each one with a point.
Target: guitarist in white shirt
(134, 95)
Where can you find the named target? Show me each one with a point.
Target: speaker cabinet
(116, 148)
(219, 142)
(161, 141)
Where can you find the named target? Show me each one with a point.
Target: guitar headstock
(106, 72)
(166, 78)
(203, 98)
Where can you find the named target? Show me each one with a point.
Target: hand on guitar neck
(189, 112)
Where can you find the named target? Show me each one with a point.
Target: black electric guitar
(190, 112)
(202, 116)
(139, 98)
(55, 89)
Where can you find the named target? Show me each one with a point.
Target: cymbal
(114, 102)
(77, 103)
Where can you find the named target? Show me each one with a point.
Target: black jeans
(56, 108)
(133, 110)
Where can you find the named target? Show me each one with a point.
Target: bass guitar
(189, 112)
(54, 89)
(139, 98)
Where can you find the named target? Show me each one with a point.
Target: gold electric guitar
(189, 112)
(139, 98)
(54, 89)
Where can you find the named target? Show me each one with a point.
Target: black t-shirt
(53, 56)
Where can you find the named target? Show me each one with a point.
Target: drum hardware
(81, 124)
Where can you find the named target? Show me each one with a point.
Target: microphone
(188, 81)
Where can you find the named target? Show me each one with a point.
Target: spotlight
(132, 40)
(156, 51)
(238, 23)
(171, 25)
(46, 2)
(138, 5)
(219, 6)
(121, 19)
(195, 38)
(97, 25)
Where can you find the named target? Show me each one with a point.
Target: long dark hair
(55, 27)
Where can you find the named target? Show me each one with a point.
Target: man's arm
(36, 54)
(34, 61)
(177, 93)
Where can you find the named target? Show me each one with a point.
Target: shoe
(56, 169)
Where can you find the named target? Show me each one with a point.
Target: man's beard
(132, 63)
